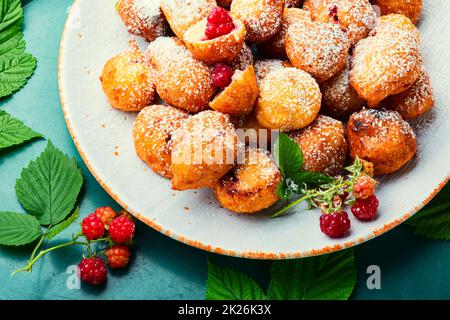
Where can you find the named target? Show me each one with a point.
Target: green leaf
(60, 227)
(14, 72)
(327, 277)
(288, 155)
(16, 66)
(227, 284)
(311, 178)
(283, 190)
(48, 188)
(13, 131)
(18, 229)
(433, 221)
(11, 14)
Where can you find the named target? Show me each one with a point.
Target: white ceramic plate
(94, 33)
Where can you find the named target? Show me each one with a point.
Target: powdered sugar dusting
(319, 48)
(323, 145)
(182, 80)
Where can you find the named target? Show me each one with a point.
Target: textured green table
(411, 267)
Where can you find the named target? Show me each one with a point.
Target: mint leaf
(11, 14)
(325, 277)
(60, 227)
(13, 131)
(227, 284)
(288, 155)
(49, 186)
(433, 221)
(16, 66)
(18, 229)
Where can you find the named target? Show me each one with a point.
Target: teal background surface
(411, 267)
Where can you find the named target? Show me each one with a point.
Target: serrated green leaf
(18, 229)
(13, 46)
(328, 277)
(13, 131)
(11, 14)
(288, 155)
(433, 221)
(48, 188)
(14, 72)
(227, 284)
(60, 227)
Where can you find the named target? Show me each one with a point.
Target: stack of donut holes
(338, 79)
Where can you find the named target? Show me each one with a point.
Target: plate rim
(195, 243)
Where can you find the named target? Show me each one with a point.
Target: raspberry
(92, 227)
(335, 225)
(219, 23)
(118, 256)
(106, 214)
(365, 209)
(92, 270)
(221, 75)
(219, 15)
(364, 187)
(121, 230)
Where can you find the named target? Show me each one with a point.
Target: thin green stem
(38, 245)
(292, 204)
(33, 260)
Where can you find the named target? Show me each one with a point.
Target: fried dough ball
(239, 97)
(381, 137)
(415, 101)
(221, 49)
(319, 48)
(251, 186)
(244, 59)
(266, 66)
(275, 47)
(152, 133)
(182, 14)
(396, 24)
(356, 17)
(143, 18)
(339, 99)
(126, 80)
(289, 99)
(261, 17)
(386, 63)
(323, 145)
(251, 133)
(203, 150)
(410, 8)
(181, 80)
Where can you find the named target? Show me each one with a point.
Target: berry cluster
(219, 23)
(337, 224)
(120, 229)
